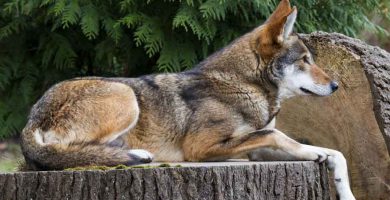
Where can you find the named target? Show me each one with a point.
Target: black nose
(334, 85)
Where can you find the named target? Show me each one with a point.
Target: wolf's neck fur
(237, 68)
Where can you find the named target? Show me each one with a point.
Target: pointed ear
(282, 10)
(289, 25)
(280, 29)
(269, 38)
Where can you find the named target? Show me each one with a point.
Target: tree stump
(354, 120)
(222, 180)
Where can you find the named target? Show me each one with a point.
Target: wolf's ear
(269, 38)
(289, 25)
(281, 26)
(282, 10)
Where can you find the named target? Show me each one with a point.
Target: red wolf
(225, 106)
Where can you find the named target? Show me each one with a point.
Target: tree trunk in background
(224, 180)
(355, 119)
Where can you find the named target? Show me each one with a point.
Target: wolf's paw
(308, 152)
(141, 155)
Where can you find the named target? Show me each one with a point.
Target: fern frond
(31, 76)
(112, 29)
(90, 21)
(105, 54)
(176, 56)
(71, 14)
(13, 27)
(46, 2)
(65, 56)
(59, 7)
(12, 6)
(29, 6)
(214, 9)
(131, 20)
(151, 35)
(188, 17)
(58, 50)
(187, 55)
(126, 5)
(168, 62)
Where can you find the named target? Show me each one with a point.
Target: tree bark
(225, 180)
(376, 64)
(356, 118)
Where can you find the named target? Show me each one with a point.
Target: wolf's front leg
(335, 159)
(218, 146)
(338, 164)
(270, 154)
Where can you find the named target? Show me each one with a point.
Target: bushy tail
(41, 156)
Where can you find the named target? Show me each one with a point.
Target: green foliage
(46, 41)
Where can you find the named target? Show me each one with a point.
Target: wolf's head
(289, 63)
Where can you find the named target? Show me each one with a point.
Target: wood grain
(241, 180)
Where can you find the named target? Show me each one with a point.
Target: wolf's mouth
(307, 91)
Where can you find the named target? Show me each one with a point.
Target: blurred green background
(45, 41)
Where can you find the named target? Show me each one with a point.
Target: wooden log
(356, 119)
(222, 180)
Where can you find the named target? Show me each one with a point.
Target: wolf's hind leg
(79, 123)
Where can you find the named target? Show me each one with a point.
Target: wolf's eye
(306, 59)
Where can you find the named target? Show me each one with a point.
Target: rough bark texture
(246, 180)
(376, 64)
(354, 120)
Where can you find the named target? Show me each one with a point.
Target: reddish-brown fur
(266, 41)
(319, 75)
